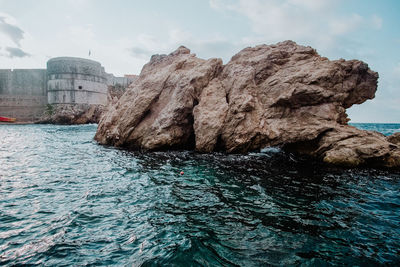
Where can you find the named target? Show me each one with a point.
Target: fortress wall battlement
(76, 81)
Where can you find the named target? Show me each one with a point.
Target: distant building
(76, 80)
(24, 93)
(122, 81)
(131, 77)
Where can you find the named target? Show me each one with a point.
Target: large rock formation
(278, 95)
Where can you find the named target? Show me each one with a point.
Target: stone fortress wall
(76, 81)
(122, 81)
(24, 93)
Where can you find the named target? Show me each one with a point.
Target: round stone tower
(76, 81)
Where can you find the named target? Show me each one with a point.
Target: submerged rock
(269, 95)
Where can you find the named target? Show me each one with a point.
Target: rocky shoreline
(80, 113)
(73, 114)
(283, 95)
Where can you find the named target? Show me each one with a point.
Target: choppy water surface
(64, 200)
(385, 128)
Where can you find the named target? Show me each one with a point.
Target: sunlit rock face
(269, 95)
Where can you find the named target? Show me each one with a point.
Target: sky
(123, 34)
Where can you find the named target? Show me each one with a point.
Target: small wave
(67, 200)
(23, 253)
(271, 150)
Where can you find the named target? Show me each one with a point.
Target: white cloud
(13, 52)
(397, 70)
(8, 18)
(341, 26)
(314, 5)
(279, 20)
(11, 36)
(144, 45)
(221, 4)
(9, 30)
(376, 22)
(313, 22)
(79, 4)
(82, 35)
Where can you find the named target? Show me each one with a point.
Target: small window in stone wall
(80, 86)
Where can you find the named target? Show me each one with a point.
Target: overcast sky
(123, 34)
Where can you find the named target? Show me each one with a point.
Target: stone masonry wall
(23, 93)
(76, 81)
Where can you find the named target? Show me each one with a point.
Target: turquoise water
(385, 128)
(66, 201)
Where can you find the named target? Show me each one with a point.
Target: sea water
(67, 201)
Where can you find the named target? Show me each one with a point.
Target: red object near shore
(5, 119)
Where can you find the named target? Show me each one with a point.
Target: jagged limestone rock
(269, 95)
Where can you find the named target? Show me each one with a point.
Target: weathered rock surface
(394, 138)
(348, 146)
(73, 114)
(80, 113)
(157, 112)
(114, 93)
(278, 95)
